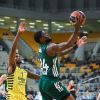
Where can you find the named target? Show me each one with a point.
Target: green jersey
(49, 65)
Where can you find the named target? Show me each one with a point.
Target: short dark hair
(37, 36)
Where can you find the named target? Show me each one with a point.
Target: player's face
(46, 38)
(18, 59)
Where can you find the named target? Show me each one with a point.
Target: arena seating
(6, 33)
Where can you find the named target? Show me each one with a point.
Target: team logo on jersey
(21, 79)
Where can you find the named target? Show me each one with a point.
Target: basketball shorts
(52, 88)
(15, 97)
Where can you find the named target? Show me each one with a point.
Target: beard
(18, 62)
(48, 40)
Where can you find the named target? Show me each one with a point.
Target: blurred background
(82, 66)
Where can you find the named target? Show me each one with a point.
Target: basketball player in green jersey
(49, 84)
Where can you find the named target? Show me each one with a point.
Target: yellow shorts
(16, 97)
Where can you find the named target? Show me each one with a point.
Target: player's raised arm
(12, 54)
(79, 43)
(53, 48)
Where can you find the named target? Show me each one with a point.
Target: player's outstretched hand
(22, 27)
(82, 41)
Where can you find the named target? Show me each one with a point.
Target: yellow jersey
(16, 84)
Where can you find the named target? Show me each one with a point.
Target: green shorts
(52, 88)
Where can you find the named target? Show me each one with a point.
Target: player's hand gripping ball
(77, 16)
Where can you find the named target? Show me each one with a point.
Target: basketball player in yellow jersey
(16, 78)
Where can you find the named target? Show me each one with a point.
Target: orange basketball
(77, 16)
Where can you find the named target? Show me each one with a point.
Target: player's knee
(70, 98)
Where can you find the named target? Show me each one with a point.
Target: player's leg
(69, 98)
